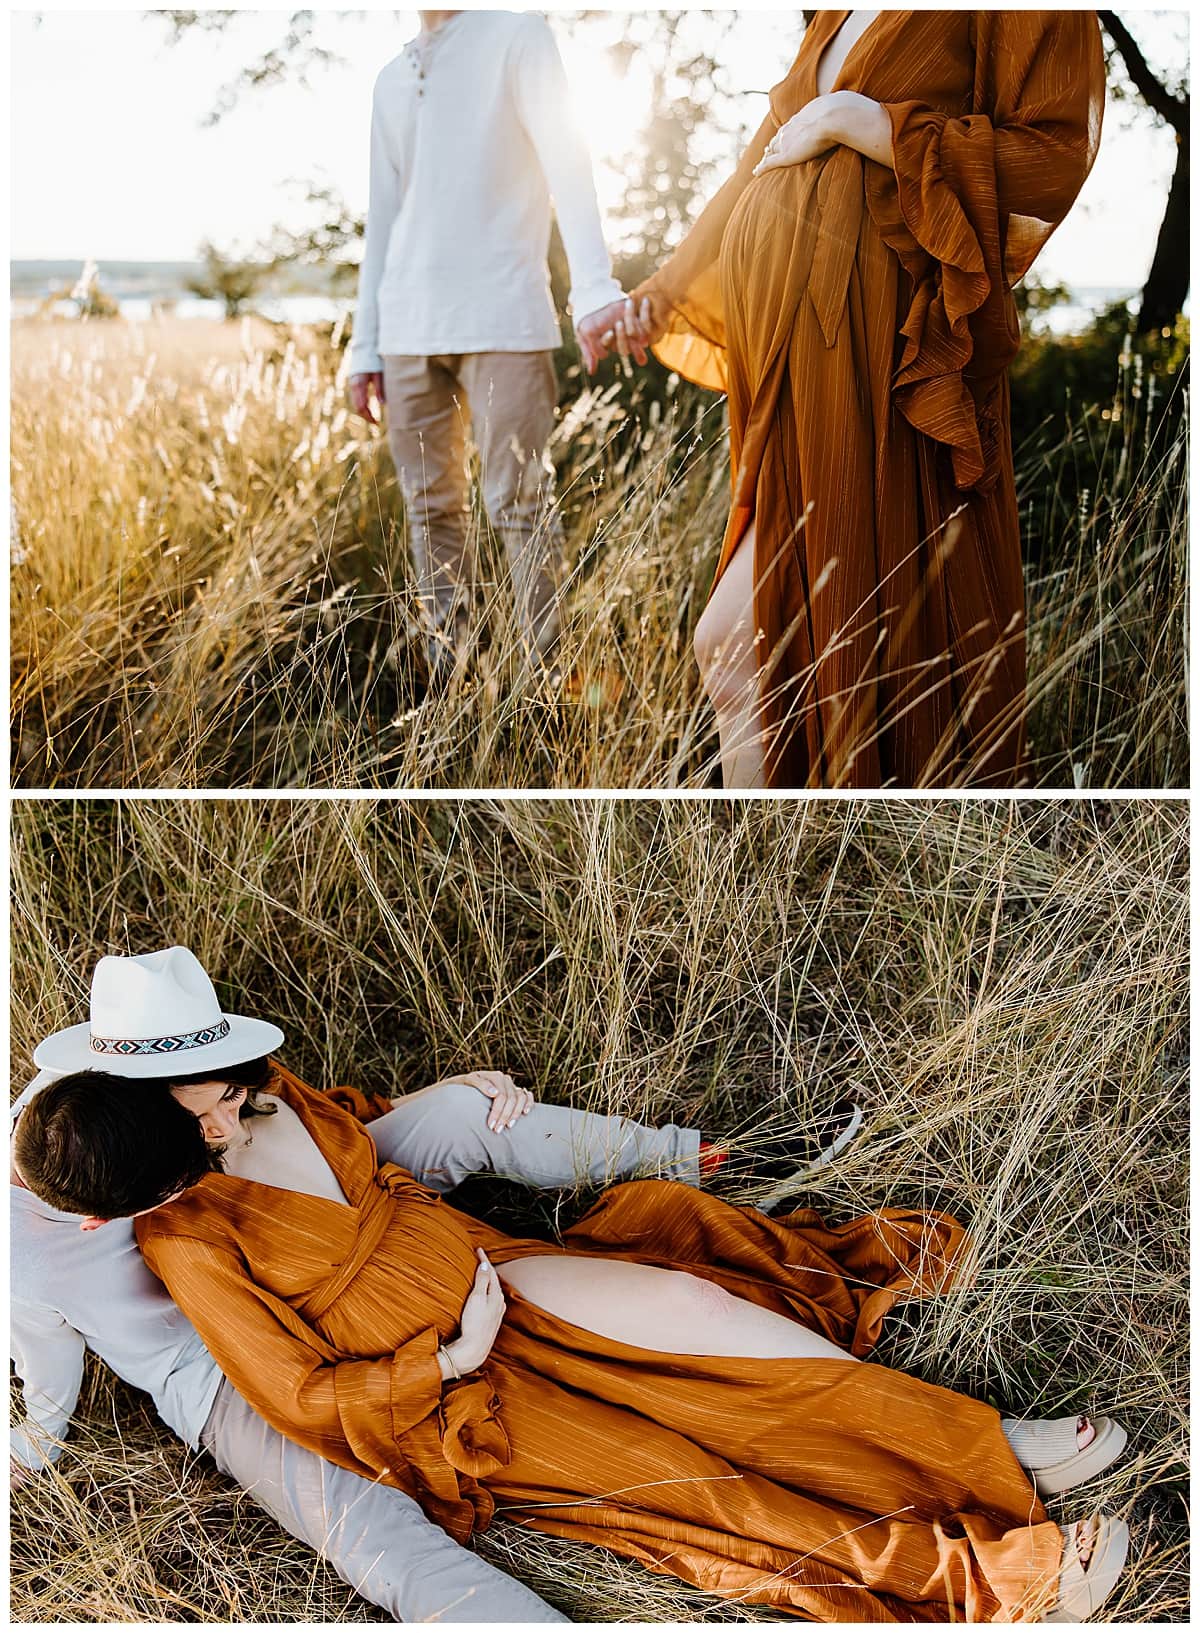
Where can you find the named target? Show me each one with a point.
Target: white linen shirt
(72, 1290)
(471, 137)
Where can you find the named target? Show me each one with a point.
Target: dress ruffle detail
(473, 1437)
(954, 262)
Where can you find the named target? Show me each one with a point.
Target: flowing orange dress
(862, 323)
(831, 1490)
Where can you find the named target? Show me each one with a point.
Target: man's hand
(616, 327)
(18, 1474)
(362, 388)
(482, 1314)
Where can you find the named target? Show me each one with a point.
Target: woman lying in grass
(681, 1381)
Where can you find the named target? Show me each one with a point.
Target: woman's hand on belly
(841, 118)
(482, 1314)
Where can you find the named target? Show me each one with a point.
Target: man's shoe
(811, 1149)
(798, 1155)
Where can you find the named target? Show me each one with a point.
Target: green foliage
(294, 57)
(234, 283)
(1112, 401)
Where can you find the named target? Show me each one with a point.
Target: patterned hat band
(161, 1046)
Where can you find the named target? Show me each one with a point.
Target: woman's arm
(350, 1411)
(508, 1101)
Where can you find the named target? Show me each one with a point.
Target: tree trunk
(1167, 286)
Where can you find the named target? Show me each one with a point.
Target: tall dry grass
(1006, 983)
(209, 589)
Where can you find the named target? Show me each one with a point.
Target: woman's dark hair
(95, 1143)
(251, 1075)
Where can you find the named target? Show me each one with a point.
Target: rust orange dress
(862, 323)
(830, 1490)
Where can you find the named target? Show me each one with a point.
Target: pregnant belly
(775, 213)
(639, 1304)
(792, 227)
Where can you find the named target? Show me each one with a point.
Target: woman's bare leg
(669, 1311)
(727, 652)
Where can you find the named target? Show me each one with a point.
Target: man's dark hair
(95, 1143)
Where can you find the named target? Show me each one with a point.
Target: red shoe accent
(712, 1157)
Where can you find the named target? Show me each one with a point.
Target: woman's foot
(1094, 1555)
(1062, 1453)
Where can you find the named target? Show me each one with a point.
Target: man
(79, 1283)
(471, 137)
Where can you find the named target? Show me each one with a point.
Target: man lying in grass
(74, 1289)
(610, 1387)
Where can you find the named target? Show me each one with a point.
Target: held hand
(482, 1314)
(362, 388)
(18, 1474)
(807, 134)
(617, 327)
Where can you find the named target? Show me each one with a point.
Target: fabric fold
(839, 218)
(937, 211)
(830, 1489)
(473, 1437)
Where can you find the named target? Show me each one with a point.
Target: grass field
(1006, 984)
(210, 589)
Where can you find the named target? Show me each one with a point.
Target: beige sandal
(1082, 1589)
(1048, 1450)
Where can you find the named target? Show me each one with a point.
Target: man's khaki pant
(508, 399)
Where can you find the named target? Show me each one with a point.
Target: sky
(112, 160)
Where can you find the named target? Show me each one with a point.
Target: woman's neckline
(280, 1091)
(823, 50)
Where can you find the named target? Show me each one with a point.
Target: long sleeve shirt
(71, 1291)
(471, 138)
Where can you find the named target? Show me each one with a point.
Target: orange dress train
(862, 323)
(830, 1490)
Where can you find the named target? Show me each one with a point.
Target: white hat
(154, 1015)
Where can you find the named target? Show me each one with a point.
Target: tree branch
(1174, 109)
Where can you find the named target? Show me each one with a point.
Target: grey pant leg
(373, 1536)
(441, 1136)
(513, 397)
(427, 416)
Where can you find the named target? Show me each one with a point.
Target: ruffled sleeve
(970, 203)
(685, 292)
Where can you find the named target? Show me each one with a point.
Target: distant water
(145, 289)
(141, 308)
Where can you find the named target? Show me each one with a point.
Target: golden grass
(209, 589)
(1005, 981)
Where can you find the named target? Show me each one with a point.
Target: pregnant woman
(850, 288)
(680, 1382)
